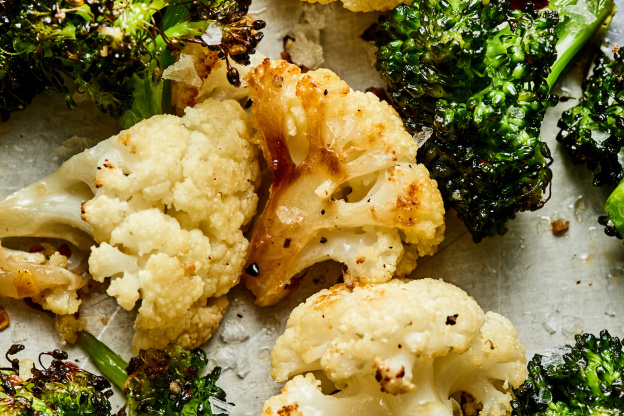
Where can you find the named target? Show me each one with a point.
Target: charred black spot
(253, 270)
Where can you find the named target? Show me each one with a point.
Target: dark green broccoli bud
(593, 134)
(580, 380)
(160, 382)
(593, 131)
(61, 389)
(113, 51)
(478, 74)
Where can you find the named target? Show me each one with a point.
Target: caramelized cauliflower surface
(402, 347)
(346, 186)
(165, 202)
(45, 279)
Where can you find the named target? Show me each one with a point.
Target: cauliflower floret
(166, 202)
(199, 74)
(346, 185)
(367, 5)
(46, 280)
(402, 347)
(192, 328)
(68, 327)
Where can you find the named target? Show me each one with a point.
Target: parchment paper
(550, 287)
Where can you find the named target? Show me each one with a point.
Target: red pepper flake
(64, 250)
(35, 249)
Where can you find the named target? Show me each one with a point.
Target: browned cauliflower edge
(346, 185)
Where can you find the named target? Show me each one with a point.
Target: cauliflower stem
(160, 207)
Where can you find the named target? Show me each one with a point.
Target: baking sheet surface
(550, 287)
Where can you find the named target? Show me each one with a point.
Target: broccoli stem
(106, 360)
(573, 38)
(615, 207)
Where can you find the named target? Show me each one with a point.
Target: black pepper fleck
(252, 270)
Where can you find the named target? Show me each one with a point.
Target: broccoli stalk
(61, 389)
(614, 220)
(159, 382)
(479, 74)
(580, 380)
(113, 51)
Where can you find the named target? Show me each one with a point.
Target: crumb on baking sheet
(559, 226)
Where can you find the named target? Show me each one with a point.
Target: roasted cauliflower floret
(165, 203)
(346, 186)
(402, 347)
(366, 5)
(45, 279)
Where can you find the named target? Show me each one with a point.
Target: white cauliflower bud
(346, 183)
(165, 202)
(402, 347)
(367, 5)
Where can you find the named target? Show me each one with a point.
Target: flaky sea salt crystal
(233, 333)
(219, 406)
(213, 34)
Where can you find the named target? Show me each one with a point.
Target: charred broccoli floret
(160, 382)
(61, 389)
(580, 380)
(113, 51)
(479, 74)
(593, 134)
(593, 131)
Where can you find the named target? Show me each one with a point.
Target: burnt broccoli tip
(580, 380)
(61, 389)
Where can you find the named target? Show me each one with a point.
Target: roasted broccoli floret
(479, 74)
(593, 131)
(61, 389)
(580, 380)
(593, 134)
(113, 51)
(160, 382)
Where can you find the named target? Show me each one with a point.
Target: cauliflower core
(165, 203)
(366, 5)
(346, 185)
(402, 347)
